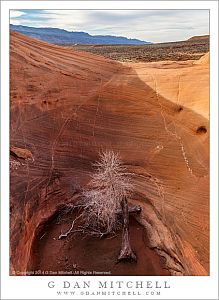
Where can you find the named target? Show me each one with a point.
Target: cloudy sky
(148, 25)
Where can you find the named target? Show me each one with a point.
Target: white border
(195, 287)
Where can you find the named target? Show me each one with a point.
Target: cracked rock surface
(67, 105)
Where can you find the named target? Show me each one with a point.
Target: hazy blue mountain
(61, 36)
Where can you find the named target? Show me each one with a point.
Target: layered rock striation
(66, 106)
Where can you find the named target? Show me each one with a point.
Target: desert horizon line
(110, 35)
(156, 26)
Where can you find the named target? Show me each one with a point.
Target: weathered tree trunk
(133, 209)
(126, 251)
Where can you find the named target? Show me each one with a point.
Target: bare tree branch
(64, 235)
(108, 185)
(105, 202)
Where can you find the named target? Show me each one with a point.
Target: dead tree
(126, 250)
(106, 200)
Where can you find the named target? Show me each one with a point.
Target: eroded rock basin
(81, 254)
(67, 106)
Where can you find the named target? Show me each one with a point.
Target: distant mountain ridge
(61, 36)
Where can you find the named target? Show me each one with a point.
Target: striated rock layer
(66, 106)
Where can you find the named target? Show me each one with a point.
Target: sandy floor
(80, 254)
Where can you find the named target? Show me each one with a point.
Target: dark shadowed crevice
(201, 130)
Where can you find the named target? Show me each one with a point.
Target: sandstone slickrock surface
(66, 106)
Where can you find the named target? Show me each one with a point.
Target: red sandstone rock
(66, 106)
